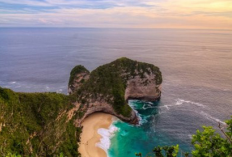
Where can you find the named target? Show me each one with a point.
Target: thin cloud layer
(206, 14)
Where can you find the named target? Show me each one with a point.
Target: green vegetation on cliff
(76, 70)
(108, 82)
(34, 124)
(37, 124)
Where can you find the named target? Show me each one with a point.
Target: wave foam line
(106, 135)
(209, 117)
(148, 106)
(141, 119)
(180, 102)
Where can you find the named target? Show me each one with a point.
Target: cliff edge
(45, 124)
(109, 87)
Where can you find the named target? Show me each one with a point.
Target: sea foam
(133, 105)
(106, 135)
(180, 102)
(211, 118)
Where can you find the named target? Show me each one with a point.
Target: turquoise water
(196, 66)
(129, 139)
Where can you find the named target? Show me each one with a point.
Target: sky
(190, 14)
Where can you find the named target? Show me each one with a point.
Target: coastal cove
(106, 89)
(196, 86)
(112, 134)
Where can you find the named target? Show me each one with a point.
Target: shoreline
(90, 136)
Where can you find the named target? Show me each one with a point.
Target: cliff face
(78, 76)
(143, 88)
(45, 124)
(109, 87)
(105, 107)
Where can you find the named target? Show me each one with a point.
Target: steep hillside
(36, 124)
(46, 124)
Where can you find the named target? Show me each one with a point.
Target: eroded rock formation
(108, 88)
(143, 88)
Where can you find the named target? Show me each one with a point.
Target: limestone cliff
(109, 87)
(143, 88)
(78, 76)
(45, 124)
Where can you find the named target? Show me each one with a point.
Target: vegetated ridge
(109, 87)
(46, 124)
(37, 124)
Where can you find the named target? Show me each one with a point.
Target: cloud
(24, 2)
(121, 13)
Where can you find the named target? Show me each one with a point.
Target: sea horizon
(148, 28)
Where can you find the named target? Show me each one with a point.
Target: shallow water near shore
(160, 125)
(149, 133)
(195, 64)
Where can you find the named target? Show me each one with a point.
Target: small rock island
(109, 87)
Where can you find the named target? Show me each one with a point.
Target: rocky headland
(46, 124)
(109, 87)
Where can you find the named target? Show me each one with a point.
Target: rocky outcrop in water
(109, 87)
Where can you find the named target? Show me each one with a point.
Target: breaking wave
(180, 102)
(106, 135)
(213, 119)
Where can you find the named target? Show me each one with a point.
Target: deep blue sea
(196, 67)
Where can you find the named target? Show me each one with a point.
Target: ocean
(196, 66)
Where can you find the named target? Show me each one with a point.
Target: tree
(208, 143)
(166, 151)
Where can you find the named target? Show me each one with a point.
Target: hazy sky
(206, 14)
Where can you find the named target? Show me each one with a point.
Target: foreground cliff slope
(36, 124)
(109, 87)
